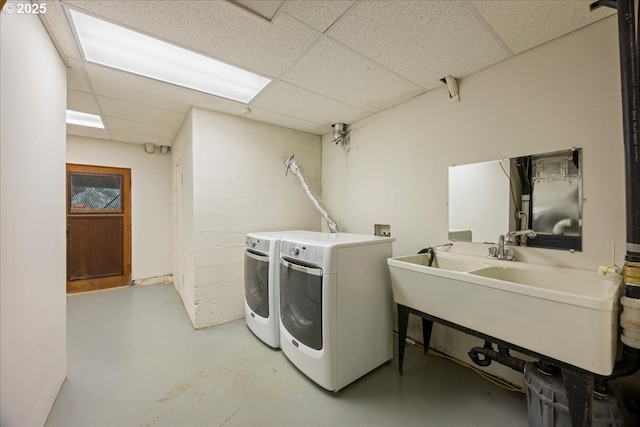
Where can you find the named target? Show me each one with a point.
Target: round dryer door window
(301, 303)
(256, 283)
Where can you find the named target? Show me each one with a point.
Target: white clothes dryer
(336, 321)
(261, 283)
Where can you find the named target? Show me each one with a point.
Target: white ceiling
(330, 60)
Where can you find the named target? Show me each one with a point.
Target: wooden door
(98, 227)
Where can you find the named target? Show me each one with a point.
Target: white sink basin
(566, 314)
(591, 288)
(447, 263)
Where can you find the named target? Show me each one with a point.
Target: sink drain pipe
(483, 356)
(293, 166)
(629, 71)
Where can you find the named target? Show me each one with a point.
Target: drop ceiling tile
(135, 89)
(265, 8)
(420, 40)
(140, 139)
(410, 45)
(112, 83)
(336, 71)
(82, 101)
(76, 79)
(293, 101)
(214, 103)
(319, 14)
(88, 132)
(216, 28)
(131, 102)
(140, 113)
(59, 30)
(138, 128)
(526, 24)
(272, 117)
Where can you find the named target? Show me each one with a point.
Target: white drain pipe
(297, 171)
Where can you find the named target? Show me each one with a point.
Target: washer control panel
(260, 245)
(302, 252)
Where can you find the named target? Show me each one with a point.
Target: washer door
(301, 303)
(256, 283)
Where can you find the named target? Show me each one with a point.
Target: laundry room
(376, 103)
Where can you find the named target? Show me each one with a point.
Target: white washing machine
(336, 304)
(261, 283)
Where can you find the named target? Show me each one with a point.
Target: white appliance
(261, 283)
(336, 305)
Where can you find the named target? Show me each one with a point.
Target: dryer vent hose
(293, 166)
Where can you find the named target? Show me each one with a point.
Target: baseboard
(159, 280)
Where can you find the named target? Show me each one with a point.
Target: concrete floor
(135, 360)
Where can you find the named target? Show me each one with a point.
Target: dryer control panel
(302, 252)
(260, 245)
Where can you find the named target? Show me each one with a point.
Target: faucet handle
(509, 239)
(509, 254)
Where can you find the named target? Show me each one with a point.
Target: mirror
(541, 192)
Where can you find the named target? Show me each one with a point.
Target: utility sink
(564, 284)
(446, 263)
(567, 314)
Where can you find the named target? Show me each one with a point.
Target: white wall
(560, 95)
(478, 199)
(239, 186)
(32, 212)
(150, 198)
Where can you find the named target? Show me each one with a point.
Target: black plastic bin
(548, 406)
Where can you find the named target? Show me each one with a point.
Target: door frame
(179, 228)
(93, 284)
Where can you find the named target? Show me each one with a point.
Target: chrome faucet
(500, 246)
(504, 251)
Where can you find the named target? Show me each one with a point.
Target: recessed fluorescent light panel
(104, 43)
(84, 119)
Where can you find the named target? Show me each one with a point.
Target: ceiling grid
(330, 61)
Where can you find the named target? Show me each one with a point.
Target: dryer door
(256, 283)
(301, 303)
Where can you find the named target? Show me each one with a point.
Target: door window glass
(95, 193)
(301, 306)
(256, 285)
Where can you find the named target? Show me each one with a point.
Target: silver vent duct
(293, 166)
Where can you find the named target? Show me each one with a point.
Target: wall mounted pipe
(629, 70)
(629, 62)
(293, 166)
